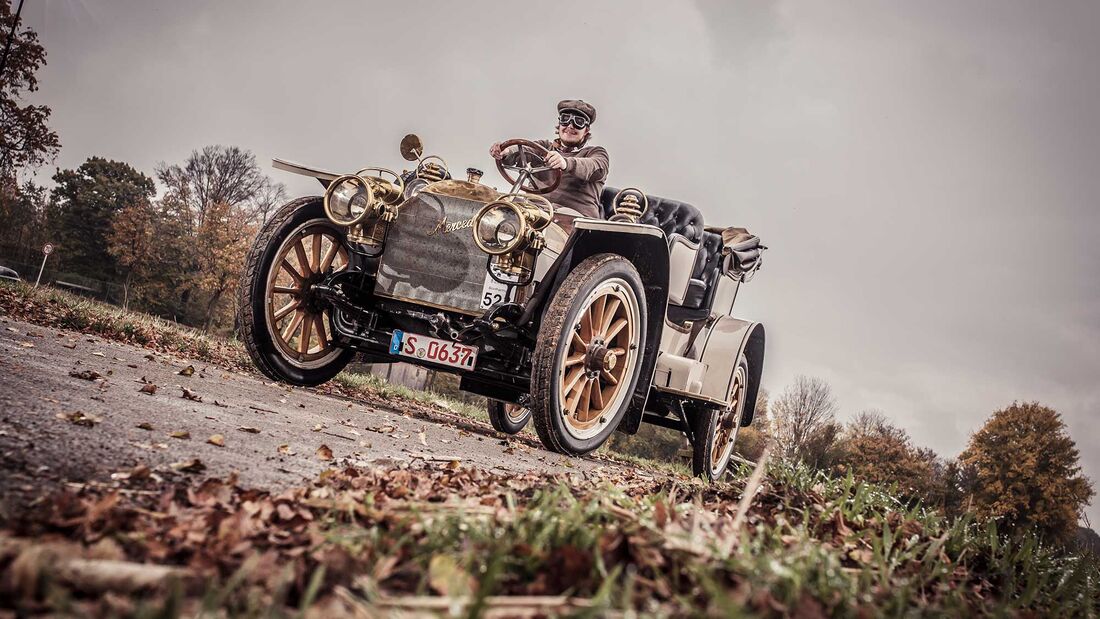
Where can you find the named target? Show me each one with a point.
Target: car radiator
(430, 257)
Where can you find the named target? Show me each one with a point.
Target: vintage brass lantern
(510, 230)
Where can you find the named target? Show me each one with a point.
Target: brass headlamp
(510, 230)
(364, 202)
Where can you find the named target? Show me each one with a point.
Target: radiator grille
(431, 257)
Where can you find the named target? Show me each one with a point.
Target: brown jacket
(581, 181)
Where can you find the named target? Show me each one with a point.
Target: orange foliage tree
(880, 452)
(1024, 472)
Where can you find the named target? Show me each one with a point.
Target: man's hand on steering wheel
(531, 159)
(555, 160)
(495, 151)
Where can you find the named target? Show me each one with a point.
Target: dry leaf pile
(391, 538)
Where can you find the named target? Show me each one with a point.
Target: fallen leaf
(99, 354)
(187, 371)
(26, 344)
(145, 425)
(217, 403)
(194, 465)
(80, 419)
(216, 439)
(181, 434)
(249, 429)
(318, 428)
(423, 438)
(69, 346)
(148, 388)
(190, 395)
(446, 577)
(284, 449)
(86, 374)
(324, 453)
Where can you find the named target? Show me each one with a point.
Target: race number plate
(492, 292)
(432, 349)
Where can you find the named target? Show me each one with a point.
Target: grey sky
(925, 173)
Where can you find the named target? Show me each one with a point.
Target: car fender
(724, 343)
(646, 247)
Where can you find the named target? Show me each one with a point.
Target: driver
(584, 168)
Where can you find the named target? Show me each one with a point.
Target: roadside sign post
(47, 249)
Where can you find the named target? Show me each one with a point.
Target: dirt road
(72, 409)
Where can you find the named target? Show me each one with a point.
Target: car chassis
(582, 325)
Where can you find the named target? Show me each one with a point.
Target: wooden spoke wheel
(716, 428)
(299, 322)
(508, 417)
(285, 326)
(588, 356)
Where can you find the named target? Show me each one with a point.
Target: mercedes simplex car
(585, 326)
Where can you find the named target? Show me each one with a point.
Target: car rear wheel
(508, 417)
(588, 355)
(284, 326)
(716, 429)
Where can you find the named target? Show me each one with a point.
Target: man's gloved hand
(555, 160)
(495, 152)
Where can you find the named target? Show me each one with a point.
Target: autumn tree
(88, 199)
(27, 213)
(1025, 471)
(132, 241)
(25, 139)
(220, 245)
(803, 420)
(216, 198)
(879, 452)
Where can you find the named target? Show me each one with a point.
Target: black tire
(507, 417)
(602, 274)
(705, 462)
(253, 319)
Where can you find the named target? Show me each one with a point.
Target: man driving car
(583, 168)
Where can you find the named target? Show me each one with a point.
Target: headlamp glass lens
(499, 228)
(349, 200)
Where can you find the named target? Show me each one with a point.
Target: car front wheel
(284, 326)
(588, 355)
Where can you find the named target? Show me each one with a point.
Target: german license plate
(432, 349)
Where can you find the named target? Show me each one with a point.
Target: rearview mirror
(411, 147)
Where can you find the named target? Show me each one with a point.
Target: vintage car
(584, 325)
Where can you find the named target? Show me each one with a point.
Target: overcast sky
(926, 174)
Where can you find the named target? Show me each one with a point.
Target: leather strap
(696, 328)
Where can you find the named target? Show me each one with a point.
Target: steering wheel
(525, 169)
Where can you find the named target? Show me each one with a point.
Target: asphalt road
(57, 427)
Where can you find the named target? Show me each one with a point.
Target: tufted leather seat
(681, 218)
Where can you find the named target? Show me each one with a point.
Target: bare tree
(224, 176)
(804, 412)
(270, 197)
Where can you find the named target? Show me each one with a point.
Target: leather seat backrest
(672, 216)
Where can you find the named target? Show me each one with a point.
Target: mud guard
(724, 344)
(647, 249)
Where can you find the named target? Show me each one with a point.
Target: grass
(382, 540)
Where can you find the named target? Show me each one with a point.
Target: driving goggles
(578, 121)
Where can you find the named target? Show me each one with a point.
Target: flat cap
(577, 105)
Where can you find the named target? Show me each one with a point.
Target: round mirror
(411, 147)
